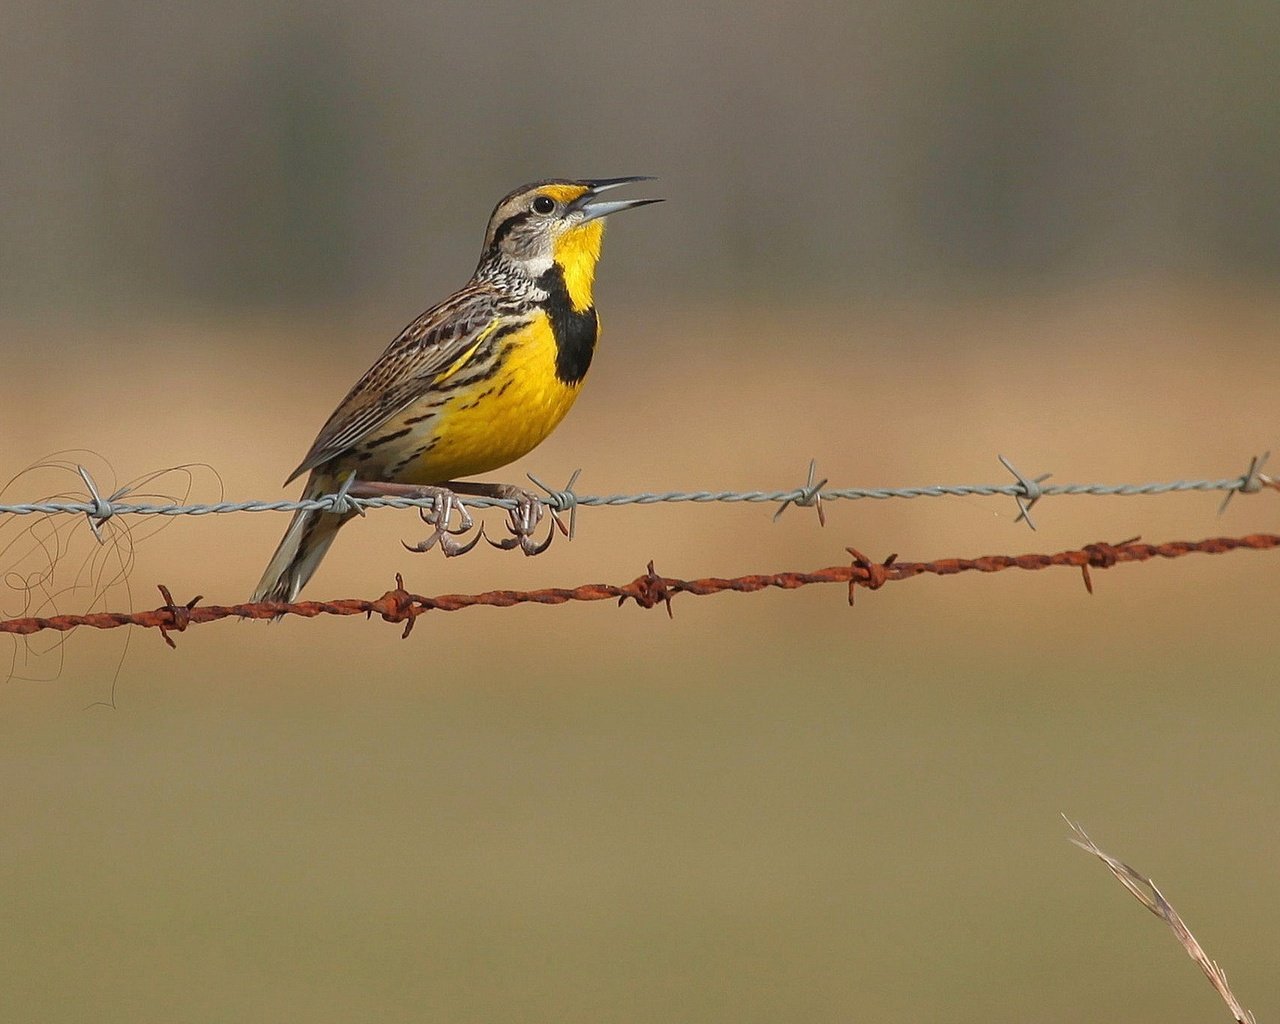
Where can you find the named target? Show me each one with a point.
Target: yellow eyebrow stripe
(462, 360)
(564, 193)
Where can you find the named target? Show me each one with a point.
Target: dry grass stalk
(1146, 892)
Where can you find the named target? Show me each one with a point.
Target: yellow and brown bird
(472, 384)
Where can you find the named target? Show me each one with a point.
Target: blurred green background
(900, 238)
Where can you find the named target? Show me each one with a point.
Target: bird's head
(555, 223)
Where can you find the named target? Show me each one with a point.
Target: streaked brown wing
(406, 369)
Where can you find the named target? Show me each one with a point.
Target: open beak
(593, 208)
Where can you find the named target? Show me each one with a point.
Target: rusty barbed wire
(1025, 490)
(648, 590)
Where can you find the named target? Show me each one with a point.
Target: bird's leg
(522, 520)
(446, 503)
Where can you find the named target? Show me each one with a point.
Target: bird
(472, 384)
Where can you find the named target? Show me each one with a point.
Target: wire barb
(874, 574)
(343, 503)
(562, 500)
(648, 591)
(102, 509)
(1030, 494)
(179, 615)
(1252, 482)
(808, 496)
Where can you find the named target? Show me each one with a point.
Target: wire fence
(648, 590)
(651, 589)
(1025, 490)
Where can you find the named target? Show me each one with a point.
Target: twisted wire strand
(648, 591)
(1027, 491)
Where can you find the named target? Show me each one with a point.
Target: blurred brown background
(900, 238)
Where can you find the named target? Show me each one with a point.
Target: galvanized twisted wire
(1025, 490)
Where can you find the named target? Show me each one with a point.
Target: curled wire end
(1031, 491)
(1252, 482)
(809, 496)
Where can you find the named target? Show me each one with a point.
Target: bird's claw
(453, 548)
(523, 520)
(440, 515)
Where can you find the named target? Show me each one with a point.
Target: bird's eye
(544, 204)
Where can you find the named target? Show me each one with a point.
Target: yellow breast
(497, 420)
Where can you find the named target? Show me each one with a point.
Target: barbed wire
(648, 591)
(1025, 490)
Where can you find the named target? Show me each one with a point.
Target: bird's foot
(440, 515)
(445, 506)
(523, 520)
